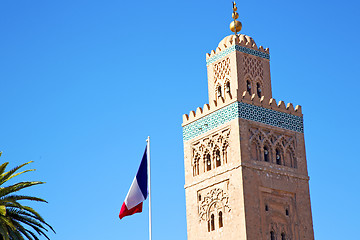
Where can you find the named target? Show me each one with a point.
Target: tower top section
(238, 42)
(239, 85)
(235, 26)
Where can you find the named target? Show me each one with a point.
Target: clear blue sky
(83, 83)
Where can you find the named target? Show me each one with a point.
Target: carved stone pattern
(216, 199)
(273, 140)
(276, 218)
(221, 69)
(253, 67)
(279, 228)
(209, 145)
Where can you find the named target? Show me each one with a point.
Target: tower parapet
(248, 46)
(239, 75)
(246, 98)
(261, 110)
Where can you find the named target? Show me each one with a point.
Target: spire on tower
(235, 26)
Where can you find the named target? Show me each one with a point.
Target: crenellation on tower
(246, 98)
(241, 40)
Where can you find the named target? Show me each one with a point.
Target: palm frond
(18, 221)
(12, 176)
(30, 210)
(16, 235)
(12, 198)
(38, 229)
(28, 234)
(8, 175)
(25, 213)
(3, 167)
(32, 234)
(3, 231)
(28, 220)
(5, 220)
(13, 205)
(17, 187)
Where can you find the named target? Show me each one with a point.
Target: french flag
(138, 191)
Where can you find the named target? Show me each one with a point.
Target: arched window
(217, 158)
(254, 151)
(283, 237)
(290, 155)
(248, 87)
(212, 222)
(266, 154)
(289, 159)
(225, 151)
(220, 220)
(227, 87)
(219, 91)
(258, 89)
(272, 235)
(196, 166)
(278, 157)
(208, 162)
(195, 169)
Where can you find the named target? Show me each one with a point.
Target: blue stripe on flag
(142, 177)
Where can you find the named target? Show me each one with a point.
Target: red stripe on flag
(127, 212)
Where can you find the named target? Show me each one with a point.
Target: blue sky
(83, 83)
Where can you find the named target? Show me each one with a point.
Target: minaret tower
(245, 163)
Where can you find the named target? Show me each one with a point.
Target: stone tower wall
(281, 188)
(221, 185)
(234, 191)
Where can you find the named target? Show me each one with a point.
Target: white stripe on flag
(134, 196)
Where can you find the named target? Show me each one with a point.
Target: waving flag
(138, 191)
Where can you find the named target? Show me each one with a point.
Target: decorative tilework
(244, 111)
(237, 48)
(270, 117)
(252, 52)
(210, 121)
(220, 55)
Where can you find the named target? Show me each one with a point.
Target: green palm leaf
(3, 231)
(17, 187)
(28, 234)
(12, 198)
(3, 167)
(20, 212)
(10, 174)
(19, 221)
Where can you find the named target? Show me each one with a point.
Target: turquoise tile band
(244, 111)
(239, 49)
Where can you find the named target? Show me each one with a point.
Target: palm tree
(19, 221)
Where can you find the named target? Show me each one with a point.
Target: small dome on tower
(230, 39)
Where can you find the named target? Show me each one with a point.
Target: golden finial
(235, 26)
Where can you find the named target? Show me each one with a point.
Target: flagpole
(149, 181)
